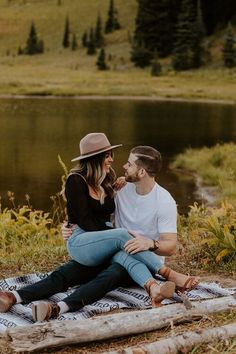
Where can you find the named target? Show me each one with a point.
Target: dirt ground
(222, 280)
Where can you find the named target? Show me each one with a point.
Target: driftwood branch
(183, 343)
(60, 333)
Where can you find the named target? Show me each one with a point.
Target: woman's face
(107, 161)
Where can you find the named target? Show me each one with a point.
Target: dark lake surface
(35, 130)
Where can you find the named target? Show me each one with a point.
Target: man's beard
(132, 178)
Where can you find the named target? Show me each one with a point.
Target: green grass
(216, 166)
(208, 234)
(17, 15)
(63, 72)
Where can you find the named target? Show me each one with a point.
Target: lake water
(35, 130)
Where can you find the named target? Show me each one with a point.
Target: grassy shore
(215, 166)
(208, 232)
(69, 74)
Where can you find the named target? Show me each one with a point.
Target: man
(144, 208)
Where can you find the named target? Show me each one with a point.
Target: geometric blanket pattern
(121, 298)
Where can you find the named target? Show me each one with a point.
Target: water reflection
(35, 131)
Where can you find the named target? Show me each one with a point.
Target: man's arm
(166, 244)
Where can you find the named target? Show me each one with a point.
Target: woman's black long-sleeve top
(83, 210)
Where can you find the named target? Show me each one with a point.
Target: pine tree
(101, 61)
(109, 26)
(99, 40)
(185, 32)
(33, 45)
(117, 25)
(199, 33)
(155, 23)
(66, 36)
(74, 44)
(112, 22)
(229, 53)
(91, 49)
(85, 39)
(140, 56)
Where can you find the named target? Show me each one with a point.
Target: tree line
(180, 29)
(176, 28)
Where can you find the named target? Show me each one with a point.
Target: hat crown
(93, 142)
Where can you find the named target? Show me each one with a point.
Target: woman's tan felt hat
(94, 144)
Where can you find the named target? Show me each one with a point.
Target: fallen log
(183, 343)
(59, 333)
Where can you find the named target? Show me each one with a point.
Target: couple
(103, 256)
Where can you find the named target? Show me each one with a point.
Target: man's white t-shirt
(149, 214)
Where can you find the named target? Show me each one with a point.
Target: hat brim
(95, 153)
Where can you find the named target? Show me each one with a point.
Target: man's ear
(142, 172)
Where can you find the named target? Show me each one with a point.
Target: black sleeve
(77, 195)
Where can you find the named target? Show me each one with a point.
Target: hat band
(94, 151)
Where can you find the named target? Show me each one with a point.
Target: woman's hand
(119, 183)
(66, 231)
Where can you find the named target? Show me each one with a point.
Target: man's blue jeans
(94, 248)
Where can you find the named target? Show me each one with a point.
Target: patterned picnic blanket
(121, 298)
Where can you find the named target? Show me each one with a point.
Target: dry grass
(73, 74)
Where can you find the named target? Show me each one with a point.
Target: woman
(90, 203)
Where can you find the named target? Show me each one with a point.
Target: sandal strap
(189, 282)
(188, 285)
(166, 272)
(148, 285)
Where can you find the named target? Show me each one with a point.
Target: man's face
(131, 169)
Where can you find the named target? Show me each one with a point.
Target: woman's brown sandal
(190, 283)
(158, 293)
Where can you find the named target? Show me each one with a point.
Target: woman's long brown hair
(92, 170)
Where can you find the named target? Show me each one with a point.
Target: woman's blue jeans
(96, 247)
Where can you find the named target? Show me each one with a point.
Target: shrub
(208, 235)
(25, 234)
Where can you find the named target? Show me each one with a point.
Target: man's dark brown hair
(148, 158)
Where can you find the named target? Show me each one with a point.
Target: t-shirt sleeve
(77, 202)
(167, 218)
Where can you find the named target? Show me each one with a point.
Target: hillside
(62, 71)
(49, 17)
